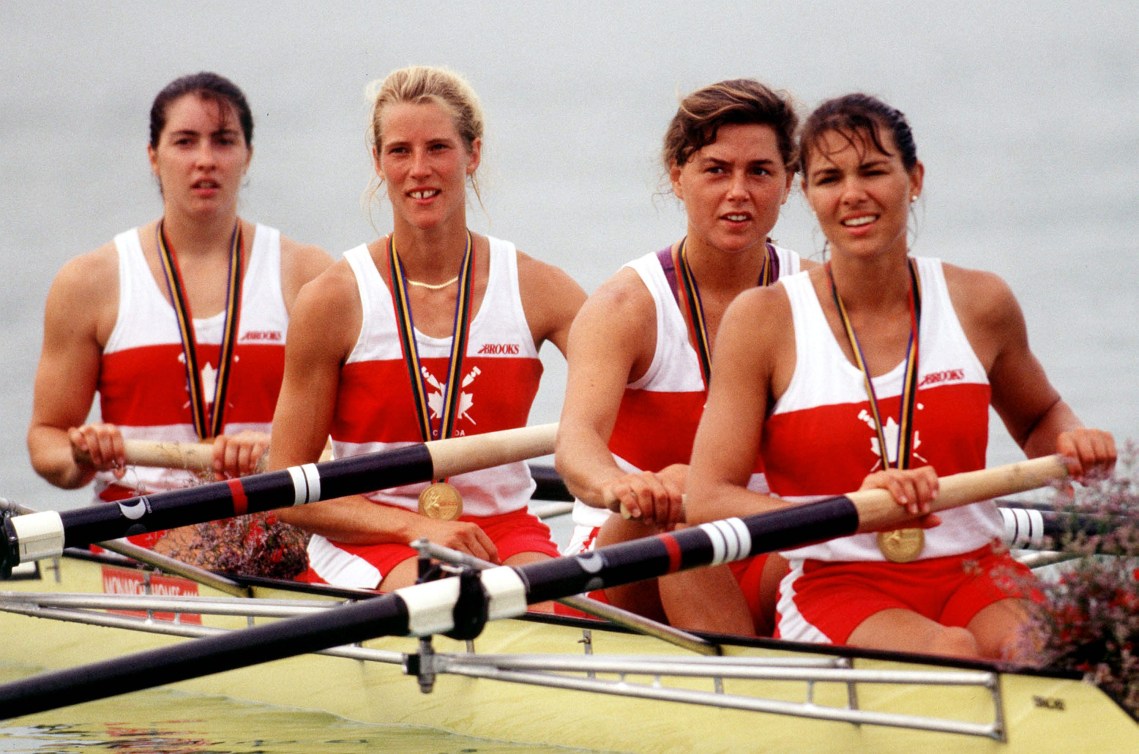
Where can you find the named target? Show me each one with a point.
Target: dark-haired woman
(178, 325)
(639, 350)
(877, 370)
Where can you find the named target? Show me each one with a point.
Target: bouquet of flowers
(1088, 619)
(257, 544)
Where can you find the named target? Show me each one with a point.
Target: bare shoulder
(327, 309)
(84, 296)
(768, 304)
(981, 298)
(334, 283)
(533, 272)
(550, 298)
(300, 263)
(91, 271)
(758, 322)
(89, 281)
(625, 295)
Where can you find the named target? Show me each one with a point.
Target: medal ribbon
(207, 424)
(452, 387)
(767, 275)
(904, 451)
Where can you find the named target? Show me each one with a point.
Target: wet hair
(734, 102)
(858, 117)
(420, 84)
(208, 86)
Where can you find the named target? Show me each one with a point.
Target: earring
(913, 198)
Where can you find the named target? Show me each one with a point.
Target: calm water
(1027, 119)
(174, 723)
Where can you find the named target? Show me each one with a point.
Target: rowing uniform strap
(669, 269)
(666, 264)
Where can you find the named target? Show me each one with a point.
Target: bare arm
(612, 343)
(1031, 408)
(78, 317)
(744, 373)
(551, 300)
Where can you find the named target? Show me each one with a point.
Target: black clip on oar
(469, 614)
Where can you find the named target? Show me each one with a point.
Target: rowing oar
(45, 534)
(192, 456)
(198, 456)
(504, 592)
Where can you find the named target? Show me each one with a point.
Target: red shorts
(512, 533)
(834, 598)
(748, 574)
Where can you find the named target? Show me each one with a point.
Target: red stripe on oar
(673, 549)
(240, 502)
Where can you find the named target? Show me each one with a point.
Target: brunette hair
(208, 86)
(736, 102)
(858, 116)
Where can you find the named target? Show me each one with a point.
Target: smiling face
(425, 164)
(860, 193)
(201, 157)
(733, 188)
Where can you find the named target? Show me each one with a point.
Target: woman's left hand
(240, 454)
(1088, 451)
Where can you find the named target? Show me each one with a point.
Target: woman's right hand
(913, 489)
(463, 536)
(99, 447)
(649, 497)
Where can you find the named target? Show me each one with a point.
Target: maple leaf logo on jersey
(890, 431)
(435, 397)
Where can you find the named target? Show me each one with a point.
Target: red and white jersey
(657, 419)
(142, 379)
(375, 408)
(820, 439)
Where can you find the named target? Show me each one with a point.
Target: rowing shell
(535, 680)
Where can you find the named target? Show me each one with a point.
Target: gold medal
(441, 501)
(901, 545)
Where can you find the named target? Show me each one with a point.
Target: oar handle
(456, 455)
(193, 456)
(878, 510)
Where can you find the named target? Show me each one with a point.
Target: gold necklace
(433, 286)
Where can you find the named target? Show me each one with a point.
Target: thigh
(998, 629)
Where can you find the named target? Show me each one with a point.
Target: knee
(953, 641)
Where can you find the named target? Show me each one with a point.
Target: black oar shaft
(260, 492)
(192, 659)
(710, 544)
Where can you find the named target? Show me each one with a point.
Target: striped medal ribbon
(900, 545)
(439, 500)
(207, 423)
(768, 274)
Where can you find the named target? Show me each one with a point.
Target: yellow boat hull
(1033, 712)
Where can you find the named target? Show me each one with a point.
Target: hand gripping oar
(505, 591)
(45, 534)
(193, 456)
